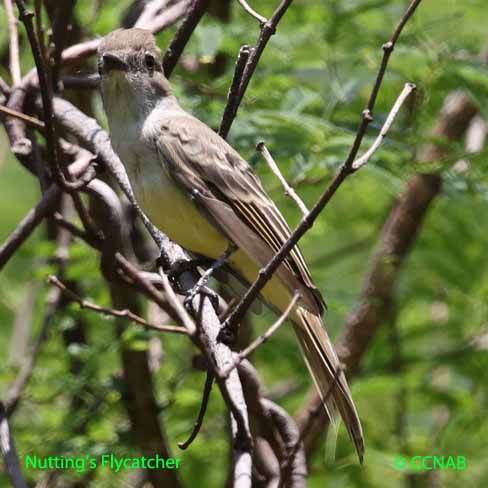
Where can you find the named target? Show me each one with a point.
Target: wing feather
(225, 188)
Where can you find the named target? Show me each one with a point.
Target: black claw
(227, 336)
(200, 288)
(183, 265)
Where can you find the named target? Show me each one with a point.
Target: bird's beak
(113, 62)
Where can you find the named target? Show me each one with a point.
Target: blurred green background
(304, 101)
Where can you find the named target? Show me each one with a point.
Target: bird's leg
(200, 285)
(183, 265)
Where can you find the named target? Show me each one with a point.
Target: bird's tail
(322, 363)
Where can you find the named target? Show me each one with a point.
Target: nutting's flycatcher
(197, 189)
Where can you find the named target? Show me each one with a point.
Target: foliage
(304, 101)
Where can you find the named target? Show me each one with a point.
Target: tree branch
(252, 12)
(245, 353)
(183, 34)
(268, 28)
(46, 95)
(45, 207)
(13, 33)
(307, 222)
(289, 191)
(201, 414)
(53, 280)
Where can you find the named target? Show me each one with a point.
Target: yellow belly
(177, 216)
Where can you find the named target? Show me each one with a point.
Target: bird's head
(129, 63)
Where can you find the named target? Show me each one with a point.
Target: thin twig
(252, 12)
(165, 302)
(201, 414)
(76, 231)
(183, 34)
(245, 353)
(13, 32)
(156, 15)
(407, 90)
(53, 280)
(169, 17)
(45, 206)
(32, 121)
(25, 227)
(50, 133)
(206, 275)
(345, 170)
(185, 318)
(398, 235)
(289, 191)
(268, 28)
(241, 61)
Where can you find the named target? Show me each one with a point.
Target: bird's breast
(168, 207)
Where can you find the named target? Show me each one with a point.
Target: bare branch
(267, 30)
(13, 33)
(186, 320)
(157, 15)
(252, 12)
(245, 353)
(46, 95)
(183, 34)
(289, 191)
(407, 90)
(398, 235)
(277, 428)
(232, 95)
(307, 222)
(53, 280)
(32, 121)
(286, 468)
(201, 414)
(35, 216)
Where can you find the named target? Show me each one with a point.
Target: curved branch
(252, 12)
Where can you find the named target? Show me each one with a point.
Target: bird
(198, 190)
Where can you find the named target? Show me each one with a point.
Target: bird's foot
(227, 334)
(184, 265)
(201, 288)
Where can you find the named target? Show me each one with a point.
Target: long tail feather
(322, 362)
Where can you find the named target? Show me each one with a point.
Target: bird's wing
(225, 188)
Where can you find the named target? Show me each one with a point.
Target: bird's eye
(150, 61)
